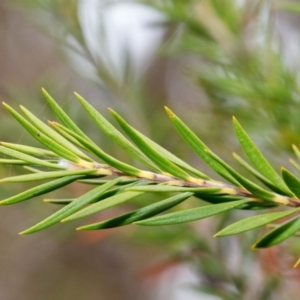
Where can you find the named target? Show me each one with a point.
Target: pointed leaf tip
(253, 222)
(169, 112)
(44, 91)
(291, 181)
(258, 160)
(77, 96)
(192, 214)
(279, 234)
(111, 111)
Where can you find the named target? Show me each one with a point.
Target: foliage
(70, 156)
(245, 66)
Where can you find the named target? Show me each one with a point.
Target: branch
(68, 157)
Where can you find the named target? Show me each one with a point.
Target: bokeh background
(207, 60)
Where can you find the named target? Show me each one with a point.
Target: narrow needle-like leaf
(198, 146)
(30, 150)
(151, 153)
(119, 189)
(64, 118)
(115, 135)
(42, 138)
(13, 162)
(140, 214)
(29, 159)
(53, 134)
(250, 186)
(127, 169)
(72, 207)
(67, 136)
(257, 159)
(297, 151)
(192, 214)
(46, 175)
(58, 201)
(32, 170)
(41, 189)
(291, 181)
(169, 188)
(258, 175)
(296, 165)
(254, 222)
(123, 181)
(103, 205)
(279, 234)
(171, 157)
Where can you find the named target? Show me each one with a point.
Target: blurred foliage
(238, 62)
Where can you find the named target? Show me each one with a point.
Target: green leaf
(198, 146)
(255, 173)
(297, 151)
(13, 162)
(46, 175)
(192, 214)
(296, 165)
(140, 214)
(151, 153)
(250, 186)
(254, 222)
(279, 234)
(258, 160)
(103, 205)
(67, 136)
(102, 181)
(33, 170)
(42, 138)
(58, 201)
(64, 118)
(29, 159)
(53, 134)
(127, 169)
(30, 150)
(41, 189)
(115, 135)
(171, 188)
(291, 181)
(72, 207)
(121, 189)
(253, 205)
(180, 163)
(217, 198)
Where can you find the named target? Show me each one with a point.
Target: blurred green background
(206, 60)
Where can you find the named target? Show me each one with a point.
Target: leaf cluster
(70, 156)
